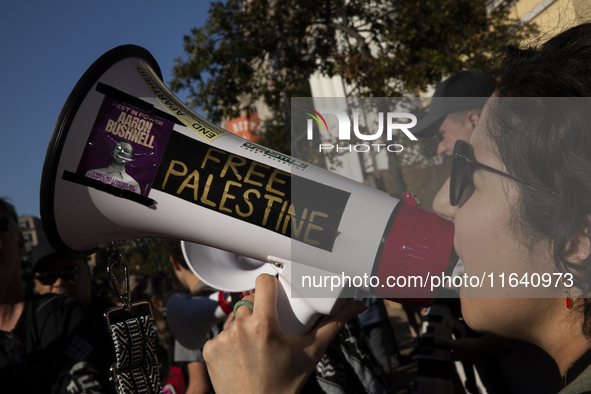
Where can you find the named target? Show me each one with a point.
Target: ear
(578, 247)
(472, 118)
(175, 265)
(156, 302)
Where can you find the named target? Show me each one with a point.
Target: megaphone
(190, 319)
(127, 160)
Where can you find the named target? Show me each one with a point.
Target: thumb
(331, 325)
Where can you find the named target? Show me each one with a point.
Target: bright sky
(46, 46)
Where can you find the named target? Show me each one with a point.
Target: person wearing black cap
(56, 273)
(59, 274)
(455, 109)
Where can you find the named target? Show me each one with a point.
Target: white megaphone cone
(129, 160)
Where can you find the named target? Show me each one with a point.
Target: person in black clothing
(55, 273)
(47, 343)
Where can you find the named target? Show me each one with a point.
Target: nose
(59, 282)
(441, 204)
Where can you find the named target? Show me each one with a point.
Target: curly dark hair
(541, 126)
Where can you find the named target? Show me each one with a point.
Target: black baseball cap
(460, 92)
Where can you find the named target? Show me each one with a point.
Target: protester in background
(135, 280)
(190, 361)
(380, 333)
(47, 343)
(56, 273)
(454, 110)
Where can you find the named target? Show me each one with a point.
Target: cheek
(41, 288)
(477, 238)
(447, 143)
(484, 314)
(466, 133)
(483, 235)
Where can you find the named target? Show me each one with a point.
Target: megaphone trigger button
(277, 262)
(278, 265)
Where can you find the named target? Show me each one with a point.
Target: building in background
(248, 125)
(33, 234)
(552, 16)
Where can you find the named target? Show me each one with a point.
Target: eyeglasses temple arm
(467, 159)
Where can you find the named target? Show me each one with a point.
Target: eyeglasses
(461, 185)
(68, 273)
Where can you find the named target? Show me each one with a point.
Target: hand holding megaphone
(261, 356)
(189, 179)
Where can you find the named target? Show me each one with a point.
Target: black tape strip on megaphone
(135, 102)
(113, 190)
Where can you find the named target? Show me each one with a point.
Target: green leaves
(268, 49)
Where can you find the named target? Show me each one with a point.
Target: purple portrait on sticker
(125, 147)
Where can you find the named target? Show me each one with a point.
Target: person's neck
(563, 339)
(192, 281)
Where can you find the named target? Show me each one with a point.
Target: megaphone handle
(296, 315)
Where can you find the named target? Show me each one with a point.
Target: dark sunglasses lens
(48, 278)
(468, 186)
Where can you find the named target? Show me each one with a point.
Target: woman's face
(485, 241)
